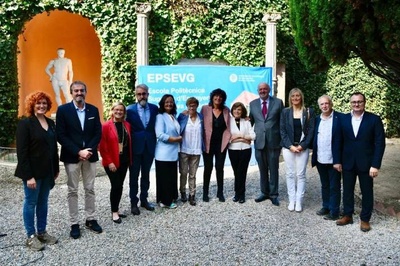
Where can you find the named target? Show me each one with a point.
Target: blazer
(35, 158)
(142, 137)
(266, 129)
(367, 149)
(246, 129)
(183, 120)
(336, 117)
(108, 147)
(287, 128)
(207, 113)
(71, 136)
(165, 128)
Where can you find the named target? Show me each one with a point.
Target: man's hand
(338, 167)
(31, 183)
(85, 154)
(373, 172)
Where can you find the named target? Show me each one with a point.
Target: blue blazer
(142, 137)
(183, 119)
(165, 128)
(367, 149)
(336, 150)
(287, 128)
(71, 136)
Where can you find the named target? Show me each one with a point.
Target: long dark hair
(161, 103)
(221, 93)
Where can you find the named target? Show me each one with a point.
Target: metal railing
(8, 155)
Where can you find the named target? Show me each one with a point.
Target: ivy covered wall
(231, 30)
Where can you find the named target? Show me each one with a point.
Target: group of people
(134, 136)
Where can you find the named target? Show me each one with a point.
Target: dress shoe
(183, 197)
(75, 231)
(122, 215)
(331, 217)
(235, 199)
(147, 206)
(93, 226)
(135, 210)
(261, 198)
(323, 211)
(118, 221)
(192, 200)
(291, 206)
(344, 220)
(242, 200)
(206, 198)
(364, 226)
(275, 201)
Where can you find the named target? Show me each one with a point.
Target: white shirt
(246, 129)
(191, 141)
(356, 122)
(324, 141)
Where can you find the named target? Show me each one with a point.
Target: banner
(239, 83)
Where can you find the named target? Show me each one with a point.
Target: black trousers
(166, 182)
(240, 163)
(117, 179)
(219, 168)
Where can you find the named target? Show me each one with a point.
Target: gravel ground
(211, 233)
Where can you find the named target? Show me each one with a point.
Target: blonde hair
(293, 91)
(115, 105)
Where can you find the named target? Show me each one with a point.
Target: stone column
(270, 45)
(142, 34)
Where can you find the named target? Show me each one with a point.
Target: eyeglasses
(356, 102)
(141, 93)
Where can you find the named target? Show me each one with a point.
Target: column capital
(271, 17)
(142, 8)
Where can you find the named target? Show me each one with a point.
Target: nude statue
(62, 76)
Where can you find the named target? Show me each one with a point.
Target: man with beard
(142, 117)
(78, 130)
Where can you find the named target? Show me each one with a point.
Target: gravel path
(211, 233)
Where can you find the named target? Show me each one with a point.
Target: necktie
(144, 118)
(264, 109)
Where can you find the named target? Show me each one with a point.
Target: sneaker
(47, 239)
(33, 243)
(172, 206)
(75, 231)
(94, 226)
(291, 206)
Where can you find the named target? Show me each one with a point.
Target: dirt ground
(387, 184)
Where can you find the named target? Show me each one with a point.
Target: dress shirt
(81, 114)
(144, 114)
(191, 142)
(324, 140)
(355, 122)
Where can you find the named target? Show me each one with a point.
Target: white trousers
(295, 165)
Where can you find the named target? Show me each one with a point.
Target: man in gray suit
(265, 115)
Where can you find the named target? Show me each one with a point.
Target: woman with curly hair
(37, 166)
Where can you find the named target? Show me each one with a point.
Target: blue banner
(239, 83)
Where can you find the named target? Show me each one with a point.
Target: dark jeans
(141, 163)
(36, 202)
(330, 187)
(117, 183)
(219, 168)
(367, 191)
(240, 163)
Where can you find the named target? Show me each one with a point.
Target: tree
(333, 31)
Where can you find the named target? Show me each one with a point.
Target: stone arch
(38, 43)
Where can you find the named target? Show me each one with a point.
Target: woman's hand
(112, 167)
(31, 183)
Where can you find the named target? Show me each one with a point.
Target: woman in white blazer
(166, 154)
(240, 148)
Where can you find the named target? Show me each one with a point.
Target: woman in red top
(116, 153)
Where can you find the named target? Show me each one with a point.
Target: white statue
(62, 76)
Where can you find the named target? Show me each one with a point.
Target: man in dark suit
(142, 117)
(363, 144)
(265, 114)
(325, 155)
(79, 131)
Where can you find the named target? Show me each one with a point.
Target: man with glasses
(78, 130)
(142, 117)
(363, 144)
